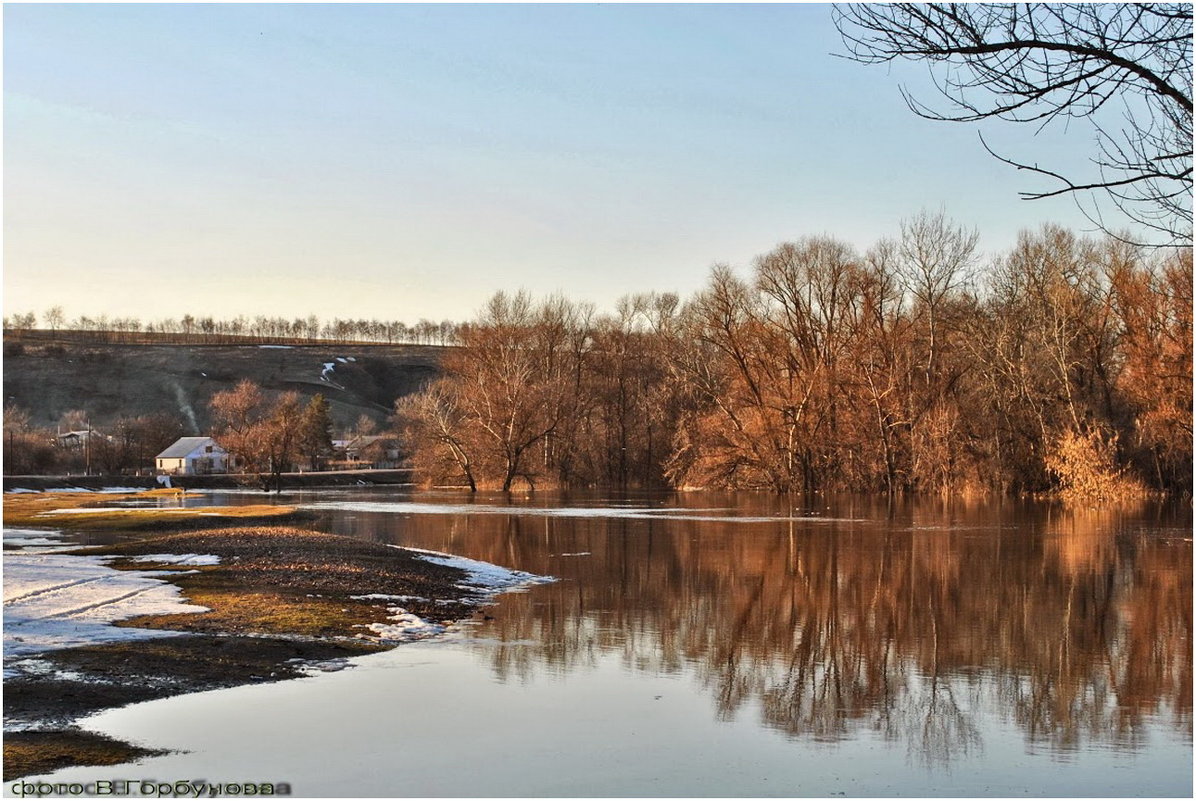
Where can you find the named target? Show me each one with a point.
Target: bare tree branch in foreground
(1124, 68)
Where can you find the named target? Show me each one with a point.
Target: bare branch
(1039, 62)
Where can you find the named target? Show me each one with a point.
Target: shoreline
(282, 603)
(217, 481)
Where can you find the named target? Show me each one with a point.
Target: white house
(193, 456)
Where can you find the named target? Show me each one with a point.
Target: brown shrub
(1085, 464)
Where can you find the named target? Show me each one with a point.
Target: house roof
(184, 446)
(80, 435)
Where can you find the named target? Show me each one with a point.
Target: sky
(407, 161)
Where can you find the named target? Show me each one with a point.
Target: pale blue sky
(406, 161)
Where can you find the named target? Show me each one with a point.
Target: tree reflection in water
(908, 621)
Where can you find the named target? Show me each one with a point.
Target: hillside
(110, 380)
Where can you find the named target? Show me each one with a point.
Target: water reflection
(914, 622)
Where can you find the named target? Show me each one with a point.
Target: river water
(702, 644)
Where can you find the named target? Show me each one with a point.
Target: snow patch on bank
(484, 577)
(189, 559)
(377, 596)
(33, 540)
(403, 627)
(56, 600)
(314, 667)
(484, 580)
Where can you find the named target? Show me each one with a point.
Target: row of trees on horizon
(210, 330)
(1062, 365)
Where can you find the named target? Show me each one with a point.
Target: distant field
(50, 376)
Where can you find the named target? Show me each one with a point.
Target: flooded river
(724, 645)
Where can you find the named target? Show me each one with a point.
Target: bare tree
(54, 318)
(433, 421)
(1125, 68)
(935, 256)
(264, 435)
(27, 448)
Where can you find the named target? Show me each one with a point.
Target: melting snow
(54, 600)
(191, 559)
(489, 578)
(314, 667)
(484, 579)
(329, 369)
(377, 596)
(30, 539)
(276, 347)
(403, 627)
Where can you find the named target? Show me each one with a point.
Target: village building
(193, 456)
(72, 440)
(376, 451)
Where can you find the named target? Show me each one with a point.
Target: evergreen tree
(315, 434)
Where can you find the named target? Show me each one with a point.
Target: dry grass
(21, 506)
(32, 753)
(53, 509)
(262, 613)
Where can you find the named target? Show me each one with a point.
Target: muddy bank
(291, 581)
(282, 602)
(39, 711)
(31, 753)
